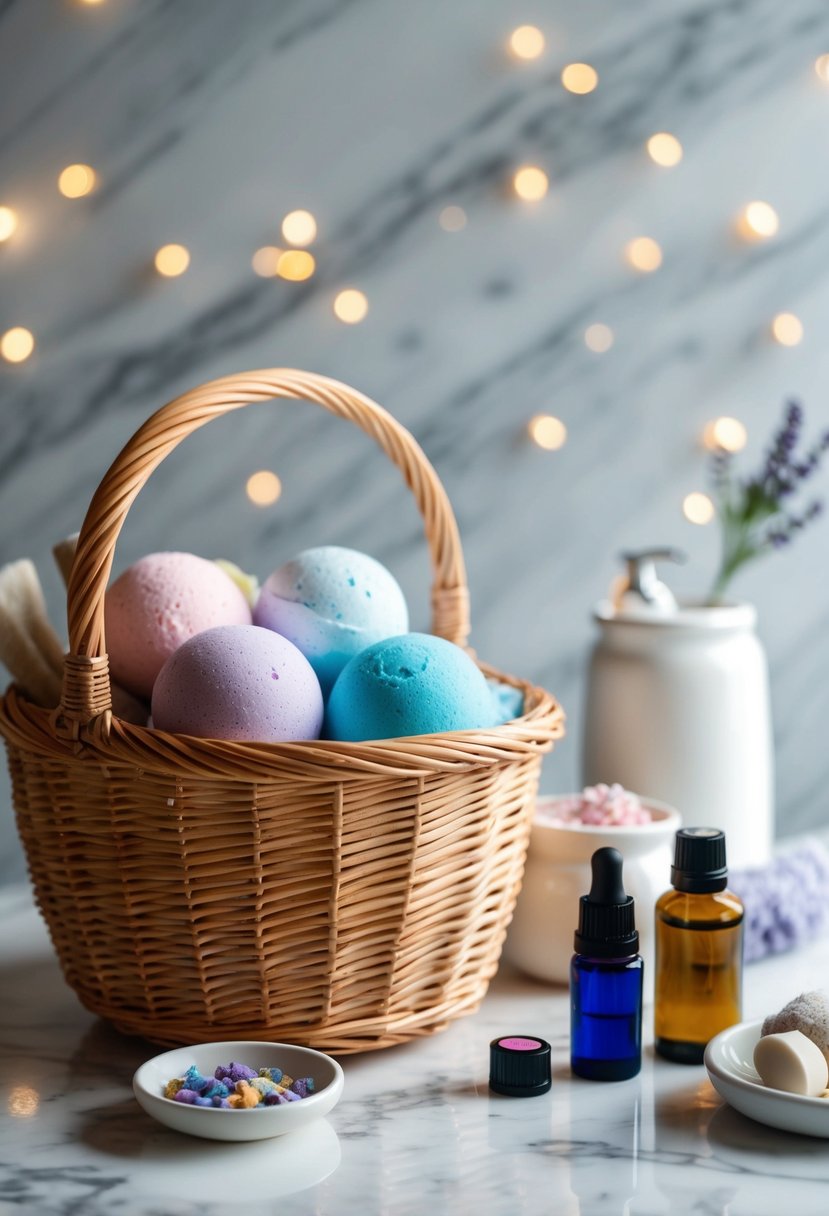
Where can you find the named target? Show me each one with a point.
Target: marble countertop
(416, 1129)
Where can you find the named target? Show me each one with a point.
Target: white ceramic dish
(557, 874)
(236, 1125)
(728, 1058)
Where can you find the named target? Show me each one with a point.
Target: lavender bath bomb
(332, 603)
(415, 684)
(158, 603)
(238, 682)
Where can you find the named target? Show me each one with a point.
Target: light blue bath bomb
(416, 684)
(332, 603)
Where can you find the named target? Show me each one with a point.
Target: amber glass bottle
(699, 949)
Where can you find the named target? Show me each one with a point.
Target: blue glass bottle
(606, 979)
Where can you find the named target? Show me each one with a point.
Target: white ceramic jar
(557, 874)
(678, 709)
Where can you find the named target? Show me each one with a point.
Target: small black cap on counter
(519, 1066)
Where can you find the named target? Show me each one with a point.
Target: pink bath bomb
(239, 682)
(156, 605)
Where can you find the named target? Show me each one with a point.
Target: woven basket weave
(343, 895)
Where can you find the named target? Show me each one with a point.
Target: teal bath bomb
(415, 684)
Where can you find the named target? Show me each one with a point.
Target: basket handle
(86, 686)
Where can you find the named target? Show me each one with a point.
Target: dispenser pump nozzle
(641, 588)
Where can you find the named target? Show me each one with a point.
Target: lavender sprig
(755, 514)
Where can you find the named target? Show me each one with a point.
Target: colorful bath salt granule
(236, 1086)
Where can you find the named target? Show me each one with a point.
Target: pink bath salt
(598, 806)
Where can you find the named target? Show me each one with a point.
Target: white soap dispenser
(678, 707)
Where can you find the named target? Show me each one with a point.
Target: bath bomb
(416, 684)
(238, 682)
(160, 602)
(332, 603)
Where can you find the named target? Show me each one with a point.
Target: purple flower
(752, 511)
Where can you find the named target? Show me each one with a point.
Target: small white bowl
(259, 1123)
(729, 1058)
(557, 874)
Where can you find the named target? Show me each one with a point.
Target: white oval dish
(237, 1125)
(729, 1060)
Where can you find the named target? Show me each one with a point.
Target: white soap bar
(791, 1062)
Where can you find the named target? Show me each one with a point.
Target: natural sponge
(808, 1013)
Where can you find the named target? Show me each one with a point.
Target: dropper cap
(607, 928)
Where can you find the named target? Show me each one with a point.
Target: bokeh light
(263, 488)
(452, 218)
(822, 68)
(787, 329)
(530, 183)
(643, 254)
(527, 42)
(598, 338)
(17, 344)
(725, 434)
(698, 508)
(350, 306)
(266, 261)
(299, 228)
(579, 78)
(23, 1102)
(548, 432)
(664, 149)
(296, 265)
(172, 260)
(77, 180)
(8, 223)
(758, 221)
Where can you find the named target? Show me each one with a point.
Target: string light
(822, 68)
(664, 149)
(643, 254)
(598, 338)
(787, 329)
(17, 344)
(452, 218)
(548, 432)
(698, 508)
(757, 221)
(530, 183)
(76, 180)
(263, 488)
(266, 261)
(527, 42)
(295, 265)
(579, 78)
(8, 223)
(172, 260)
(299, 228)
(725, 434)
(350, 306)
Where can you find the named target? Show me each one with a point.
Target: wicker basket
(347, 896)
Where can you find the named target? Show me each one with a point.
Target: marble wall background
(208, 121)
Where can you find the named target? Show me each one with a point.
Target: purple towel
(786, 902)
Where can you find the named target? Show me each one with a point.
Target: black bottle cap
(519, 1066)
(607, 928)
(699, 861)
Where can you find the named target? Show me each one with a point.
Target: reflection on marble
(417, 1128)
(207, 128)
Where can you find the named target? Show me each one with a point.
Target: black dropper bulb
(607, 928)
